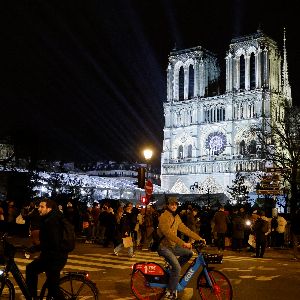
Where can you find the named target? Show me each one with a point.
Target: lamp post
(148, 155)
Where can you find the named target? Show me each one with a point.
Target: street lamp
(148, 155)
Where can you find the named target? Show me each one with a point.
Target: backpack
(156, 239)
(68, 238)
(262, 226)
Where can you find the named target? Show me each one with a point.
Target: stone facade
(207, 135)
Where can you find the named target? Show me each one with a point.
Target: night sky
(86, 80)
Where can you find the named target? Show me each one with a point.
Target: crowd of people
(109, 225)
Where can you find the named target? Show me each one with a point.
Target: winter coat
(168, 226)
(260, 228)
(51, 237)
(281, 224)
(238, 227)
(221, 221)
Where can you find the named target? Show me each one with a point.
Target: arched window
(252, 71)
(180, 152)
(242, 147)
(181, 83)
(242, 72)
(189, 151)
(191, 82)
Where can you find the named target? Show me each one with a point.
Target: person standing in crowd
(192, 222)
(87, 225)
(295, 232)
(205, 225)
(149, 226)
(138, 227)
(172, 246)
(220, 221)
(281, 230)
(52, 257)
(260, 229)
(109, 228)
(273, 235)
(34, 219)
(126, 227)
(95, 214)
(70, 213)
(238, 228)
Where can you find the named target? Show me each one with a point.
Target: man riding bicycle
(172, 246)
(52, 258)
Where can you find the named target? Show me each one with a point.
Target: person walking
(172, 246)
(52, 258)
(125, 229)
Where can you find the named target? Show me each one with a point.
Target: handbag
(20, 220)
(127, 242)
(252, 240)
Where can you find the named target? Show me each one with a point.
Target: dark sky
(86, 80)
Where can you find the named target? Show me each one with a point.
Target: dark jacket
(221, 221)
(51, 237)
(238, 227)
(260, 228)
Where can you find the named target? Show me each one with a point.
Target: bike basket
(212, 258)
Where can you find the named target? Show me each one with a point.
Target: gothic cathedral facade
(207, 135)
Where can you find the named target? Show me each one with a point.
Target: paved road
(273, 277)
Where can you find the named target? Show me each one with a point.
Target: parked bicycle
(149, 280)
(74, 285)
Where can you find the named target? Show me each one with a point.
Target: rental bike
(74, 285)
(149, 279)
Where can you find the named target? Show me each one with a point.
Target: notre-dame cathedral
(207, 135)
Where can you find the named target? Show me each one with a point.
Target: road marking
(266, 278)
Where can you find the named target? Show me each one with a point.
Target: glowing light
(148, 154)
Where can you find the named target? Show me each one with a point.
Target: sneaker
(131, 256)
(116, 253)
(169, 295)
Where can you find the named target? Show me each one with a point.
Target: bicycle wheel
(141, 290)
(7, 290)
(221, 290)
(73, 287)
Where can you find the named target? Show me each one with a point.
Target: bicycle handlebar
(199, 245)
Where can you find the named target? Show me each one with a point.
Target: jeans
(121, 246)
(170, 253)
(52, 269)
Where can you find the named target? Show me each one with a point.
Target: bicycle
(74, 285)
(149, 279)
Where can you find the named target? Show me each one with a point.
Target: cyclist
(172, 246)
(52, 258)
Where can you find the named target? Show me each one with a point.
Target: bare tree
(280, 144)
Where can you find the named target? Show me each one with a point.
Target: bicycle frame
(188, 275)
(12, 268)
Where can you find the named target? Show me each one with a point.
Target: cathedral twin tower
(207, 135)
